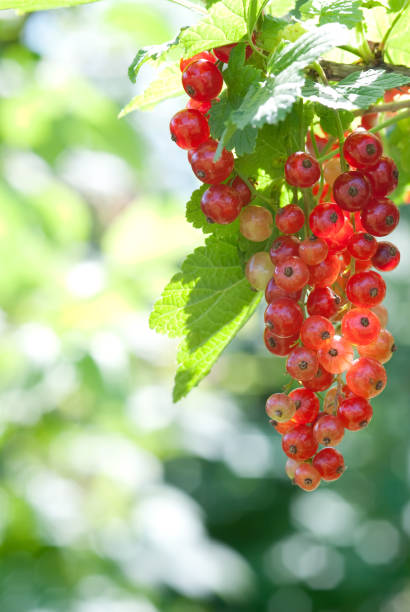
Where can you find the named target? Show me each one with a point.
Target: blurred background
(112, 499)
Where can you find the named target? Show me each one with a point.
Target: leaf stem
(253, 190)
(382, 108)
(391, 121)
(352, 50)
(393, 25)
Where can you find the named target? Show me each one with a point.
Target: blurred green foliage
(112, 499)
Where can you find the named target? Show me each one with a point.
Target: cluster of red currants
(202, 81)
(324, 301)
(324, 305)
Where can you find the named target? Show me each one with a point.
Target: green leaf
(166, 85)
(40, 5)
(358, 90)
(153, 53)
(398, 43)
(255, 8)
(308, 48)
(346, 12)
(225, 24)
(328, 119)
(207, 303)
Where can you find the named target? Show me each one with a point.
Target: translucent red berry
(283, 428)
(302, 363)
(381, 313)
(360, 326)
(277, 345)
(280, 407)
(223, 53)
(291, 274)
(208, 170)
(307, 477)
(362, 149)
(202, 80)
(355, 413)
(205, 55)
(313, 250)
(299, 443)
(366, 377)
(325, 273)
(220, 204)
(290, 219)
(315, 331)
(366, 289)
(273, 292)
(284, 317)
(336, 355)
(331, 170)
(202, 107)
(338, 243)
(189, 129)
(291, 467)
(362, 245)
(283, 247)
(369, 120)
(302, 170)
(321, 380)
(328, 430)
(329, 463)
(323, 301)
(381, 349)
(380, 217)
(326, 220)
(383, 177)
(352, 191)
(331, 401)
(307, 406)
(386, 257)
(242, 190)
(256, 223)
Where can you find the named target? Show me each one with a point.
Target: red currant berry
(380, 217)
(313, 250)
(351, 191)
(329, 463)
(360, 326)
(331, 401)
(307, 406)
(242, 190)
(326, 220)
(205, 55)
(366, 289)
(336, 355)
(302, 363)
(283, 247)
(277, 345)
(363, 265)
(362, 246)
(202, 107)
(362, 149)
(302, 170)
(325, 273)
(366, 377)
(256, 223)
(280, 407)
(323, 301)
(320, 142)
(355, 413)
(347, 393)
(328, 430)
(386, 257)
(202, 80)
(208, 170)
(291, 274)
(273, 292)
(290, 468)
(338, 243)
(290, 219)
(321, 380)
(259, 270)
(284, 317)
(283, 428)
(381, 349)
(381, 313)
(223, 53)
(331, 170)
(189, 129)
(369, 120)
(307, 477)
(315, 331)
(383, 177)
(220, 204)
(299, 443)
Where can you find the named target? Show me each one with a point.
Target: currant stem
(382, 108)
(391, 121)
(253, 190)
